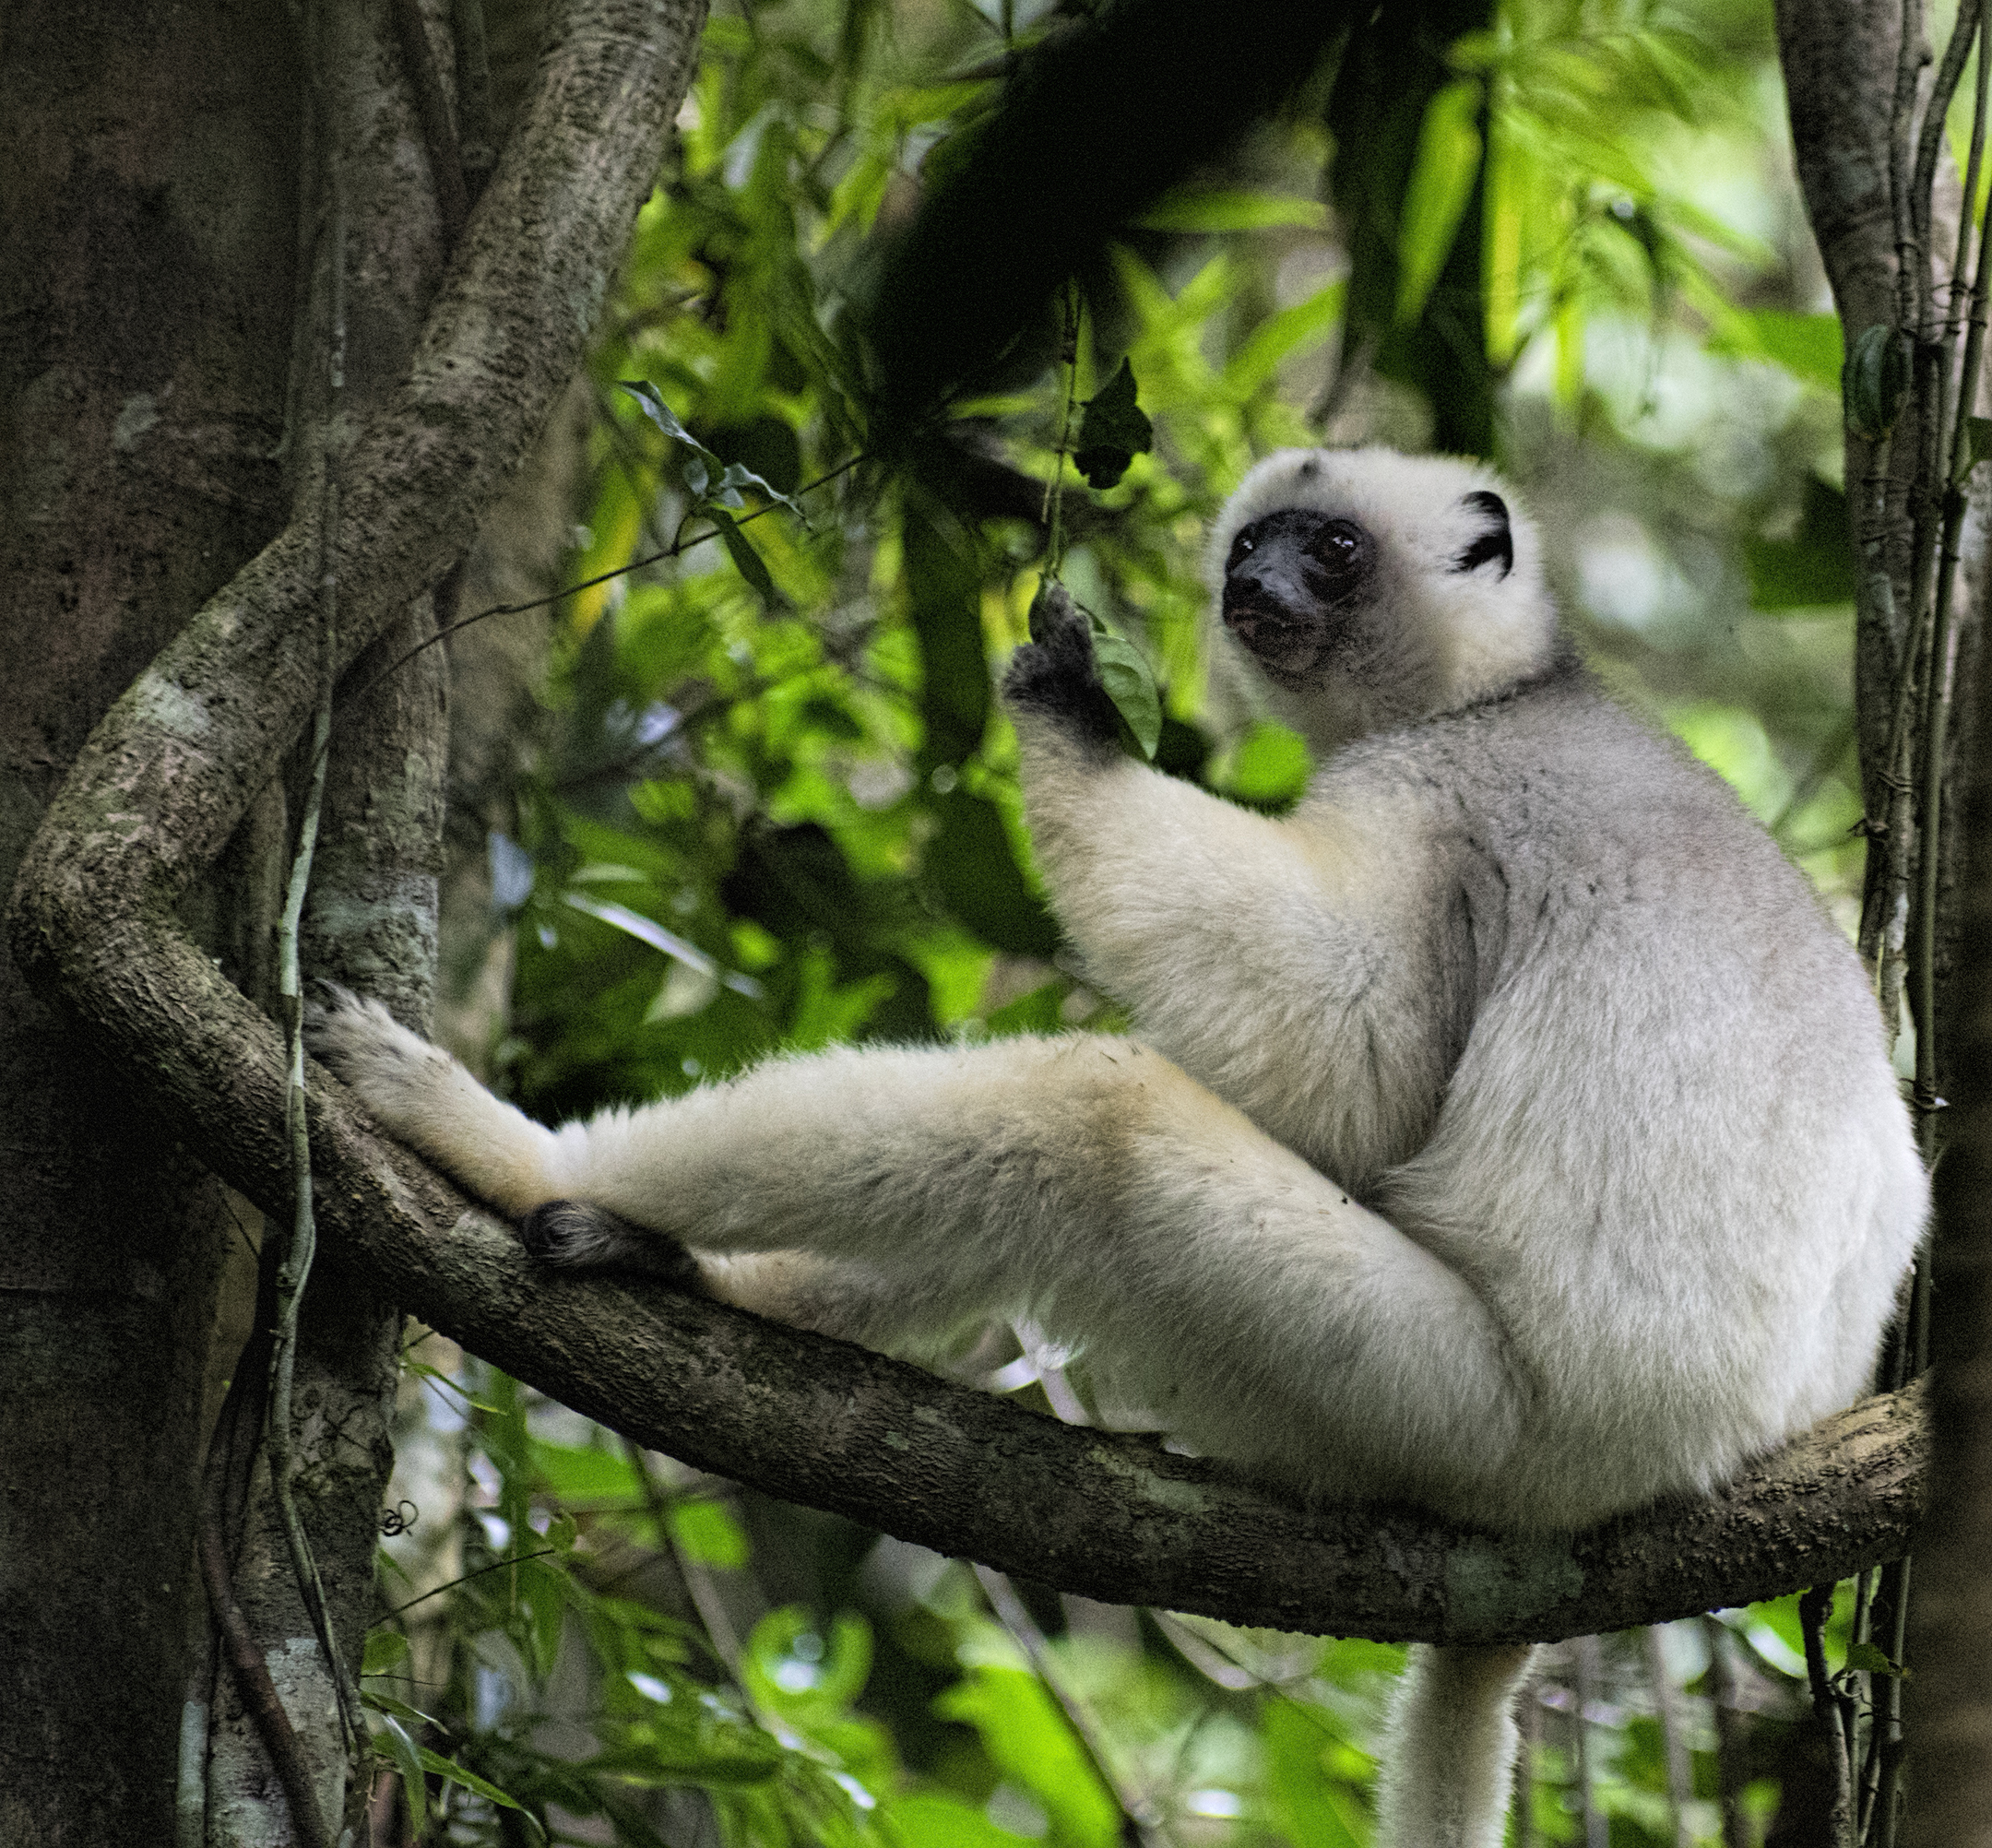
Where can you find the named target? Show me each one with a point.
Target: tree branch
(1112, 1517)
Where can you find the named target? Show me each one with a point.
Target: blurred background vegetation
(748, 789)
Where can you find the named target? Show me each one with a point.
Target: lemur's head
(1371, 588)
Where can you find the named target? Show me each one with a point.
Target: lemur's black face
(1291, 582)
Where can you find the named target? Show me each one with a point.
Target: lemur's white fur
(1507, 1129)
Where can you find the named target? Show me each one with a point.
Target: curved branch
(1113, 1517)
(167, 772)
(1116, 1518)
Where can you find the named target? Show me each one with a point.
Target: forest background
(745, 789)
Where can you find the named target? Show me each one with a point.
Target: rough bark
(1949, 1701)
(1839, 63)
(138, 430)
(143, 400)
(370, 923)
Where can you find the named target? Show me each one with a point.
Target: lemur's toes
(576, 1236)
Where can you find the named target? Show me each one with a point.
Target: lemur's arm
(1285, 962)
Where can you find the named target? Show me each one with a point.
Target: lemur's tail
(1450, 1758)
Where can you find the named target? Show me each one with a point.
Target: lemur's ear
(1496, 543)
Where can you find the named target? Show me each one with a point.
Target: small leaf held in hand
(1125, 676)
(1112, 432)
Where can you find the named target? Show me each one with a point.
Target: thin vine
(1860, 1710)
(296, 1252)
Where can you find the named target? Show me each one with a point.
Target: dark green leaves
(1129, 684)
(1977, 445)
(715, 487)
(975, 873)
(1815, 566)
(1877, 381)
(1112, 432)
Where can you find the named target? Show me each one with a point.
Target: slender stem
(431, 107)
(1054, 507)
(1673, 1740)
(1909, 269)
(674, 550)
(1140, 1823)
(295, 1263)
(1731, 1746)
(1589, 1664)
(1814, 1608)
(697, 1580)
(1934, 111)
(1887, 1812)
(1939, 677)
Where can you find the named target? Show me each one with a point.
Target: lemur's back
(1671, 1152)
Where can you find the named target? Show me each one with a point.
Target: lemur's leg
(1085, 1182)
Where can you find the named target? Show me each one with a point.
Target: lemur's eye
(1339, 545)
(1241, 548)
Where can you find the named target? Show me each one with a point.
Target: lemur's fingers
(1055, 676)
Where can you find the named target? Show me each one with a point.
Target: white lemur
(1506, 1130)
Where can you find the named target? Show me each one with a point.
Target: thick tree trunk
(149, 169)
(147, 184)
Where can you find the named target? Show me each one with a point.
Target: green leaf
(386, 1651)
(749, 561)
(651, 401)
(791, 1669)
(1130, 684)
(1977, 445)
(386, 1703)
(1812, 568)
(453, 1773)
(1876, 382)
(1306, 1805)
(1807, 346)
(1269, 766)
(586, 1472)
(1870, 1659)
(1030, 1741)
(972, 865)
(1229, 209)
(1038, 1011)
(738, 475)
(392, 1742)
(1113, 431)
(708, 1532)
(1441, 184)
(943, 590)
(928, 1820)
(1291, 330)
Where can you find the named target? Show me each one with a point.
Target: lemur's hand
(1055, 676)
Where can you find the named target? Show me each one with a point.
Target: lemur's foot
(390, 1070)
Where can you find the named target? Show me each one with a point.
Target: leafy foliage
(774, 805)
